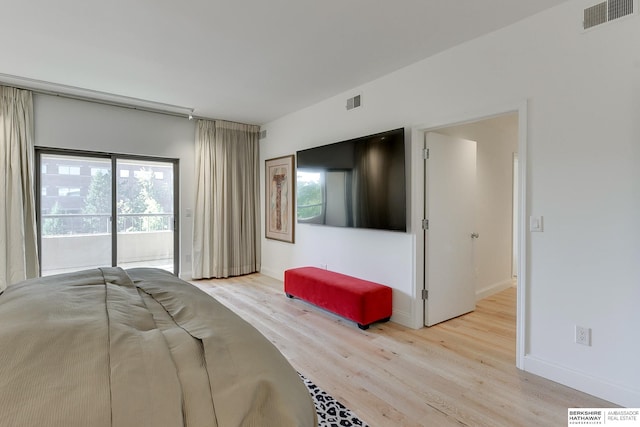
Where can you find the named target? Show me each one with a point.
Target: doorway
(100, 209)
(495, 231)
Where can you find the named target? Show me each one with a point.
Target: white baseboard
(493, 289)
(584, 382)
(402, 318)
(278, 275)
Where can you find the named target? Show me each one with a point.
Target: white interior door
(450, 181)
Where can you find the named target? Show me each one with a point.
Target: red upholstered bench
(359, 300)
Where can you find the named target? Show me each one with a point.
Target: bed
(109, 347)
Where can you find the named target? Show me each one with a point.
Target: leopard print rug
(331, 413)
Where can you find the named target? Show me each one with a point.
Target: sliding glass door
(97, 209)
(146, 221)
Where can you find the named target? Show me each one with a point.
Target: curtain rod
(82, 94)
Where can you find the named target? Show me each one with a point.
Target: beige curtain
(226, 220)
(18, 244)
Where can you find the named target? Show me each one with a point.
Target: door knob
(475, 235)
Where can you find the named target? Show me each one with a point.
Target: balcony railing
(74, 224)
(72, 242)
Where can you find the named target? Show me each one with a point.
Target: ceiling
(249, 61)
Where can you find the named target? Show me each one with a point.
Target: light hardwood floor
(459, 373)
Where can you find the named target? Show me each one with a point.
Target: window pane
(76, 214)
(145, 214)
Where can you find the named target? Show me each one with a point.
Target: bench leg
(365, 327)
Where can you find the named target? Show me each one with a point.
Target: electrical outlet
(583, 335)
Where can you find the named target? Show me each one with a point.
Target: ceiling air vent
(607, 11)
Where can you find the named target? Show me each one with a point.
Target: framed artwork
(280, 194)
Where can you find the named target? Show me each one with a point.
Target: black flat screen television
(357, 183)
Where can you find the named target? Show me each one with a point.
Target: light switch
(188, 213)
(535, 224)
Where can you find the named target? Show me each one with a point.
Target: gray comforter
(106, 347)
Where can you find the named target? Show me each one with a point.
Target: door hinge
(425, 224)
(425, 294)
(425, 154)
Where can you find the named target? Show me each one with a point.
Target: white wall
(67, 123)
(497, 140)
(381, 256)
(583, 93)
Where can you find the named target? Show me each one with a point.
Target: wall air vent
(263, 134)
(620, 8)
(353, 102)
(595, 15)
(607, 11)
